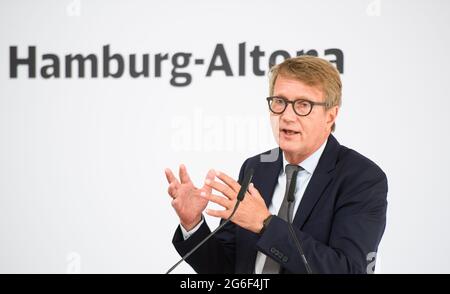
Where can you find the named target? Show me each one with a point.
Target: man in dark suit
(339, 213)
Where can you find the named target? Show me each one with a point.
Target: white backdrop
(82, 186)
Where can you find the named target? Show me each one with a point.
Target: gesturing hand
(186, 198)
(252, 210)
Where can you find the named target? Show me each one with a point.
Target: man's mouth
(289, 132)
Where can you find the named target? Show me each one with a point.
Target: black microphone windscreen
(245, 183)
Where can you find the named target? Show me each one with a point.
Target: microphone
(290, 199)
(240, 196)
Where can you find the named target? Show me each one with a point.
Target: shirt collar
(310, 163)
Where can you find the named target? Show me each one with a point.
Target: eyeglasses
(302, 107)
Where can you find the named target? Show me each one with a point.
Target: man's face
(300, 136)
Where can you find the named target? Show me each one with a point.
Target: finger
(253, 192)
(228, 180)
(218, 213)
(222, 201)
(184, 176)
(218, 186)
(169, 176)
(209, 176)
(172, 190)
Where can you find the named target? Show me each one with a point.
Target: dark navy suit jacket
(340, 220)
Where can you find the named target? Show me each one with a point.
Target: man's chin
(290, 147)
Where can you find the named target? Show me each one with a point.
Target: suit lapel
(319, 181)
(266, 177)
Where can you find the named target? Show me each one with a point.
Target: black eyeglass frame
(287, 102)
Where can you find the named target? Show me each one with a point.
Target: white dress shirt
(303, 177)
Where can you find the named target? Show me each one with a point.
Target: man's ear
(332, 114)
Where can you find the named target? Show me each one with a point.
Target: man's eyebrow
(295, 98)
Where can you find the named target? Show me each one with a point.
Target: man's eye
(279, 101)
(302, 104)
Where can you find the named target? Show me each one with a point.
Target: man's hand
(187, 202)
(251, 212)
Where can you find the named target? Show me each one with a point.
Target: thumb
(252, 190)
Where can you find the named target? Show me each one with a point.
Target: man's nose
(289, 114)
